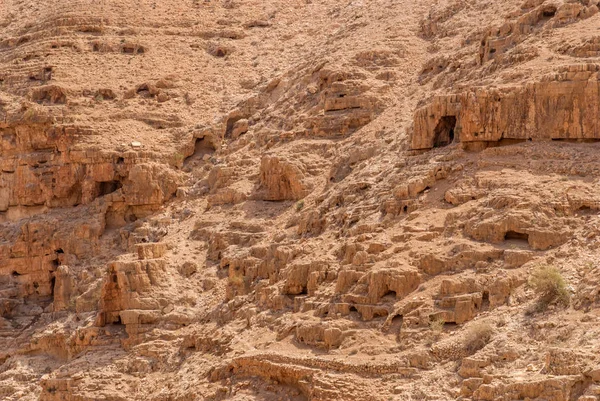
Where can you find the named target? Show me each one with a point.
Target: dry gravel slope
(299, 200)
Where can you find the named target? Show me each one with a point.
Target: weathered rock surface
(263, 200)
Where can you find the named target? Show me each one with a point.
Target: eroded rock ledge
(560, 107)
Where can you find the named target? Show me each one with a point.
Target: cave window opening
(513, 235)
(485, 300)
(108, 187)
(390, 294)
(548, 12)
(444, 131)
(450, 325)
(585, 210)
(202, 147)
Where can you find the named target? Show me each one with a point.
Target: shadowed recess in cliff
(444, 131)
(107, 187)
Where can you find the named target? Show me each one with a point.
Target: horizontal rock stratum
(564, 106)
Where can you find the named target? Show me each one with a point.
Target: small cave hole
(117, 321)
(396, 324)
(444, 131)
(59, 250)
(450, 325)
(485, 300)
(513, 235)
(389, 295)
(55, 263)
(15, 274)
(353, 309)
(202, 147)
(143, 90)
(120, 160)
(107, 187)
(405, 209)
(548, 12)
(52, 285)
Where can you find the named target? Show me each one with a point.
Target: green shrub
(550, 286)
(477, 336)
(299, 205)
(437, 325)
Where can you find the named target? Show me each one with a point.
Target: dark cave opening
(389, 295)
(513, 235)
(107, 187)
(444, 131)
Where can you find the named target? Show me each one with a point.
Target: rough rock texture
(298, 200)
(560, 107)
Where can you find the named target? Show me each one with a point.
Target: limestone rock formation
(314, 200)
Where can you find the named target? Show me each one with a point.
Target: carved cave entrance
(444, 131)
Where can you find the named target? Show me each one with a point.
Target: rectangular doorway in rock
(444, 131)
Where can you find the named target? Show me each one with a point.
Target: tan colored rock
(514, 113)
(154, 250)
(282, 179)
(64, 286)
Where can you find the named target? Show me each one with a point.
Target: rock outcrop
(213, 200)
(561, 107)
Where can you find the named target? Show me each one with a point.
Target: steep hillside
(299, 200)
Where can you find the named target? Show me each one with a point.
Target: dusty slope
(252, 200)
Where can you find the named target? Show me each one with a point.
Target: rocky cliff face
(307, 200)
(560, 107)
